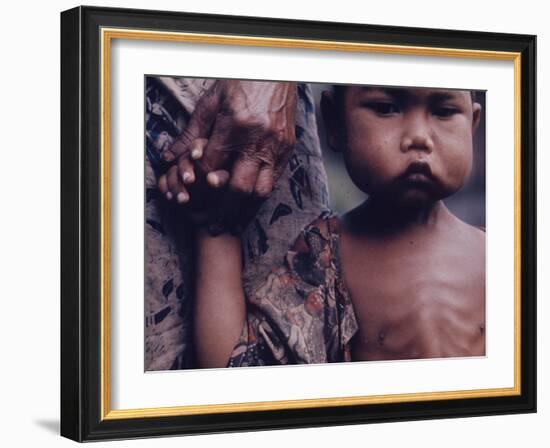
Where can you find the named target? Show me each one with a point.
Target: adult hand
(244, 127)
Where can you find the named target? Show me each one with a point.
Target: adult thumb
(199, 125)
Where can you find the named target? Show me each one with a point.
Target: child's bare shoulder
(469, 235)
(468, 245)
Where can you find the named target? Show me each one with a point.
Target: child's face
(413, 146)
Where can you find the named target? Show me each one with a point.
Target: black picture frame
(81, 225)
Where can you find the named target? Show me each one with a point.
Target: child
(398, 277)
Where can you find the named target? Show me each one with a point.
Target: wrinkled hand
(241, 129)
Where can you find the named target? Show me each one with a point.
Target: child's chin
(416, 199)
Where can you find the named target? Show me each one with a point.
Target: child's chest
(423, 302)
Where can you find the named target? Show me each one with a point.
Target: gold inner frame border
(107, 35)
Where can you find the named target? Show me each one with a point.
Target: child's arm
(220, 309)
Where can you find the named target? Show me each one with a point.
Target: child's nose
(417, 135)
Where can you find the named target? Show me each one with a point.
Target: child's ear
(332, 120)
(476, 116)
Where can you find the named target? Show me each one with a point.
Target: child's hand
(181, 178)
(204, 194)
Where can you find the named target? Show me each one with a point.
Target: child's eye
(383, 108)
(445, 111)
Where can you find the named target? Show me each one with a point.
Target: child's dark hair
(340, 90)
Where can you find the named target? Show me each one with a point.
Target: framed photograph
(274, 223)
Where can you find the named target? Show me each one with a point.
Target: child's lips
(418, 175)
(418, 171)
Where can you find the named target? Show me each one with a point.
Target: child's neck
(381, 218)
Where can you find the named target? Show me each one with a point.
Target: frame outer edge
(533, 120)
(529, 230)
(71, 324)
(79, 409)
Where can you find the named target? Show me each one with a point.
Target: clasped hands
(234, 148)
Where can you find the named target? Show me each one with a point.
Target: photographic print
(306, 223)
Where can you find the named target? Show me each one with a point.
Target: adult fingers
(239, 196)
(197, 148)
(199, 124)
(264, 183)
(216, 152)
(244, 175)
(181, 146)
(170, 154)
(186, 170)
(217, 179)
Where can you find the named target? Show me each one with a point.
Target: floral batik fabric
(302, 313)
(298, 197)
